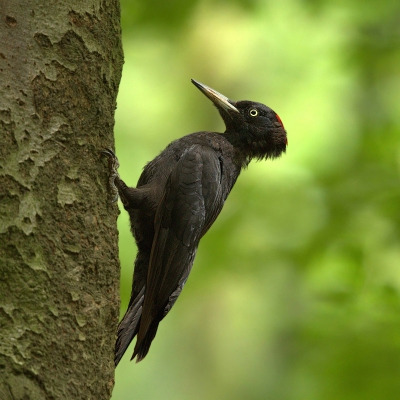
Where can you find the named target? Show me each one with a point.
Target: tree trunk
(60, 67)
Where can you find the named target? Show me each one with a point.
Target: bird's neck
(248, 146)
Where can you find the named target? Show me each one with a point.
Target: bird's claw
(113, 166)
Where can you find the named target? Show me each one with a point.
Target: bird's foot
(113, 166)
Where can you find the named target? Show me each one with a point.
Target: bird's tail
(129, 326)
(142, 346)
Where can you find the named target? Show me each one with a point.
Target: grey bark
(60, 67)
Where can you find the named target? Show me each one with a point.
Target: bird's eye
(254, 112)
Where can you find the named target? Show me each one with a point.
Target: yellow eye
(254, 112)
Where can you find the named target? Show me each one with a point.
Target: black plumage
(178, 197)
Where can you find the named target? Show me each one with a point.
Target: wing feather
(191, 202)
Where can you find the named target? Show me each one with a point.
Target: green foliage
(295, 290)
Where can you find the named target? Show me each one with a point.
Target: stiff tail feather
(128, 327)
(142, 346)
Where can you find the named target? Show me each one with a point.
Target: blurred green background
(295, 291)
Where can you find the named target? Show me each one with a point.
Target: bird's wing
(191, 202)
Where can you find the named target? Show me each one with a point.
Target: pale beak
(218, 99)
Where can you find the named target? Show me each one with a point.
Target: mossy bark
(60, 67)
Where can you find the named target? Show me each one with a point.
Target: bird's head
(252, 127)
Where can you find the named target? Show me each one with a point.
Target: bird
(176, 200)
